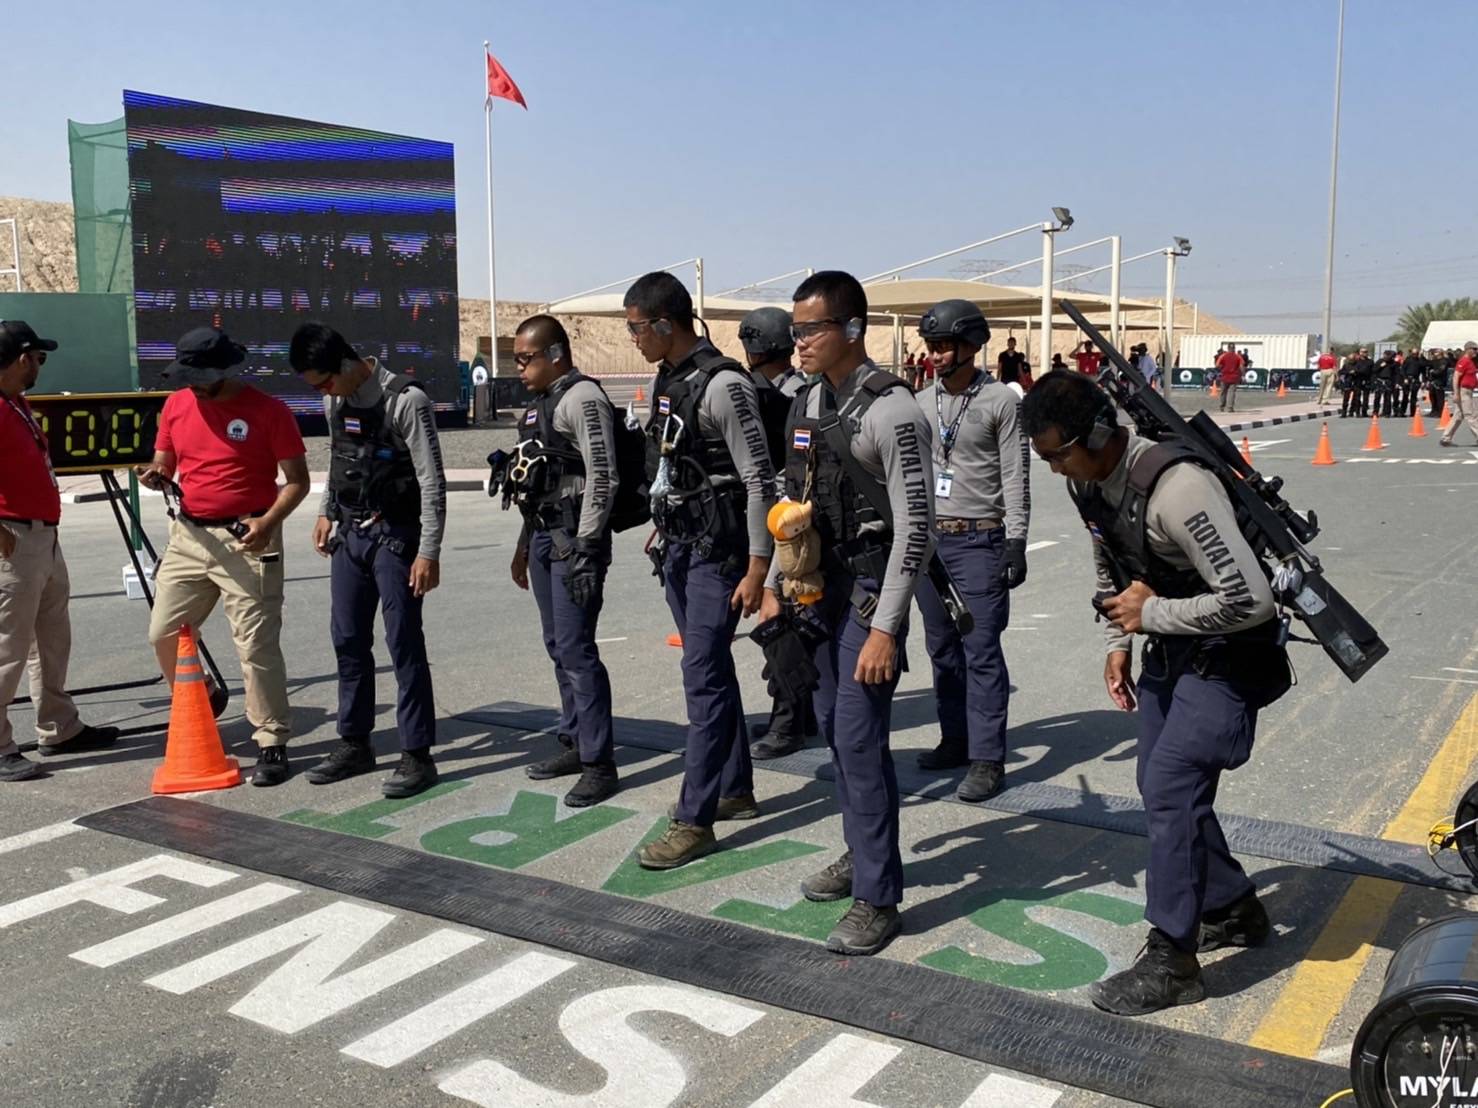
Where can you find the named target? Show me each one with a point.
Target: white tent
(1450, 334)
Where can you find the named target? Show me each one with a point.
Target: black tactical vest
(676, 395)
(370, 467)
(774, 415)
(539, 498)
(854, 537)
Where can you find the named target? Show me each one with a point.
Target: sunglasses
(39, 355)
(1058, 455)
(805, 332)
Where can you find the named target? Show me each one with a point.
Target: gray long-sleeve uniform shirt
(415, 420)
(986, 462)
(730, 410)
(1191, 526)
(891, 442)
(583, 414)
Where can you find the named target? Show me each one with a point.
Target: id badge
(943, 481)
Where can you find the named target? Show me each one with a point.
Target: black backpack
(631, 507)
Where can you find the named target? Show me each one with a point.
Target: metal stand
(119, 501)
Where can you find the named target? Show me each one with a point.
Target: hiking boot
(1162, 977)
(982, 782)
(865, 929)
(949, 754)
(15, 766)
(563, 764)
(832, 883)
(89, 738)
(729, 808)
(349, 759)
(1244, 923)
(272, 768)
(415, 774)
(775, 746)
(680, 844)
(598, 781)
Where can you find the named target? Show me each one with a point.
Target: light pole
(1115, 250)
(1061, 220)
(1181, 248)
(1339, 56)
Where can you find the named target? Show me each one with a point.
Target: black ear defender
(1104, 425)
(853, 329)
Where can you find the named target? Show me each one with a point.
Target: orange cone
(1246, 450)
(1373, 439)
(1446, 416)
(1324, 455)
(194, 759)
(1418, 430)
(641, 397)
(675, 639)
(1282, 389)
(1215, 390)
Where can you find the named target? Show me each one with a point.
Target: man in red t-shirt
(1230, 365)
(1088, 360)
(34, 587)
(1464, 390)
(1326, 377)
(223, 441)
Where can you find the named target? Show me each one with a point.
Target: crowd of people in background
(1391, 386)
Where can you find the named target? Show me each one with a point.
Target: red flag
(501, 85)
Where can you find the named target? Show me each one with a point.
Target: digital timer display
(90, 432)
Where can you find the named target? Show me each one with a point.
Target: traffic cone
(675, 639)
(1418, 430)
(1246, 450)
(1446, 416)
(1282, 389)
(1373, 439)
(1215, 390)
(194, 759)
(641, 397)
(1324, 455)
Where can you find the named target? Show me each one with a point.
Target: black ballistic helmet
(766, 331)
(955, 319)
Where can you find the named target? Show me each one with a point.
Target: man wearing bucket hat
(224, 441)
(34, 587)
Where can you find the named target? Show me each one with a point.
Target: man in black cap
(34, 587)
(223, 442)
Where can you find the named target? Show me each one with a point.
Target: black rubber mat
(1134, 1060)
(1315, 847)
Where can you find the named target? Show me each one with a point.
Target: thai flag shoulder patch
(531, 417)
(664, 405)
(801, 440)
(351, 424)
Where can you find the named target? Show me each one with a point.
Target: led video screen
(258, 223)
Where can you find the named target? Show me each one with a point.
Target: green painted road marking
(1066, 962)
(631, 880)
(364, 821)
(804, 918)
(532, 824)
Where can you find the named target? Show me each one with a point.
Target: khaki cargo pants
(203, 564)
(36, 633)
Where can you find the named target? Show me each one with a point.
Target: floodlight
(1064, 217)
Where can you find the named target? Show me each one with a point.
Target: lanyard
(30, 423)
(947, 434)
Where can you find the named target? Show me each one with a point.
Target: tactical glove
(1013, 563)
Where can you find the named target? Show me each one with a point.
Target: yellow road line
(1299, 1018)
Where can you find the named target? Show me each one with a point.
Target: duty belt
(222, 521)
(27, 522)
(956, 525)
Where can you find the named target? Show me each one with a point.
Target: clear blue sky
(769, 136)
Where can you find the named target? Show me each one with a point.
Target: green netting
(101, 215)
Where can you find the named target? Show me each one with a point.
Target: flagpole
(487, 111)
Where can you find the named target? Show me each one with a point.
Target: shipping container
(1266, 355)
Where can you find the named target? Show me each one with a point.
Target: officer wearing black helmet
(858, 453)
(711, 487)
(982, 504)
(566, 479)
(765, 335)
(1174, 566)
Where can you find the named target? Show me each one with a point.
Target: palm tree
(1413, 322)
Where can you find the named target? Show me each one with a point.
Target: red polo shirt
(1230, 364)
(1087, 362)
(1466, 372)
(1326, 362)
(27, 487)
(228, 450)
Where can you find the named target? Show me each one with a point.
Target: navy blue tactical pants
(569, 640)
(1190, 730)
(971, 685)
(717, 761)
(856, 719)
(367, 572)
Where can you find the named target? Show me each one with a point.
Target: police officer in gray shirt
(564, 477)
(858, 450)
(381, 523)
(711, 486)
(982, 497)
(765, 336)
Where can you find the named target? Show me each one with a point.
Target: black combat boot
(1163, 977)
